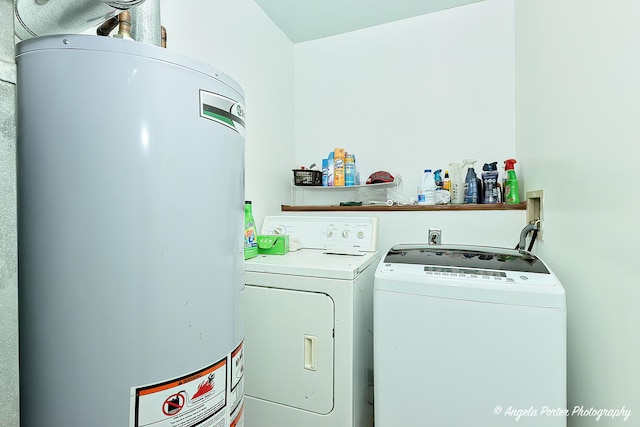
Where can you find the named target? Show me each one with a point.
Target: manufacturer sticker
(223, 110)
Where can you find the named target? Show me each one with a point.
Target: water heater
(130, 222)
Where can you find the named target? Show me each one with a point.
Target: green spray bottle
(511, 189)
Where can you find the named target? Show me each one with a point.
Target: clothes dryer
(308, 325)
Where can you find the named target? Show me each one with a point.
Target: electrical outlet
(435, 236)
(534, 209)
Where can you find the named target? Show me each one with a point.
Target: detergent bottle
(511, 189)
(471, 183)
(427, 189)
(457, 183)
(250, 235)
(490, 186)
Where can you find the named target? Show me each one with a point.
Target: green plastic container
(273, 244)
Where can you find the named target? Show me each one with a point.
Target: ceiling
(303, 20)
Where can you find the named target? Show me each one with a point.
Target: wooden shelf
(417, 208)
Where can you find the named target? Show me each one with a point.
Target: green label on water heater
(223, 110)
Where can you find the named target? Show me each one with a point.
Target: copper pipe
(124, 30)
(163, 36)
(107, 26)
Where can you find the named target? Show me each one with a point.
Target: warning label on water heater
(196, 399)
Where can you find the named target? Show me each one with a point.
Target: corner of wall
(9, 377)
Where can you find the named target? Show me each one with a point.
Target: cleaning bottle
(490, 186)
(446, 183)
(330, 169)
(250, 235)
(471, 183)
(349, 170)
(338, 167)
(457, 183)
(427, 189)
(511, 189)
(325, 172)
(437, 176)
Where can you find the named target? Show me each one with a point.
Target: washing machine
(468, 336)
(309, 324)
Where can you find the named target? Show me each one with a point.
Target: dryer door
(289, 347)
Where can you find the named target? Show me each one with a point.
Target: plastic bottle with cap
(490, 186)
(250, 235)
(427, 189)
(511, 186)
(437, 176)
(457, 183)
(349, 170)
(325, 172)
(471, 183)
(446, 182)
(338, 167)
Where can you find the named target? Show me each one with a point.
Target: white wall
(415, 94)
(239, 39)
(578, 97)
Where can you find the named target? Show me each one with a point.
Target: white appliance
(468, 336)
(308, 325)
(130, 289)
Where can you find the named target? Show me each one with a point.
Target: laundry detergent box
(271, 244)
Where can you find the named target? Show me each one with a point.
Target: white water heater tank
(131, 202)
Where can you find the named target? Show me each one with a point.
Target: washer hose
(524, 233)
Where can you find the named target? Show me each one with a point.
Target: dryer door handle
(310, 352)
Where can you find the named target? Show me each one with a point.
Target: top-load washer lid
(477, 273)
(313, 263)
(467, 258)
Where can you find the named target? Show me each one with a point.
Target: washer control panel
(331, 233)
(476, 276)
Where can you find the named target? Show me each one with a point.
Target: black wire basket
(307, 177)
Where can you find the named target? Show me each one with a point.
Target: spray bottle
(457, 183)
(511, 189)
(471, 183)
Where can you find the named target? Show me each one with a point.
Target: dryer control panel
(341, 234)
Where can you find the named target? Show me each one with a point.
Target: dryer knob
(345, 233)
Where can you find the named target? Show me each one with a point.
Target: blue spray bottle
(471, 183)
